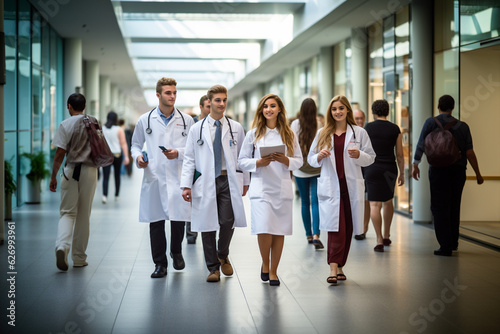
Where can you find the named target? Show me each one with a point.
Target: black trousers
(447, 184)
(117, 166)
(159, 241)
(219, 250)
(189, 233)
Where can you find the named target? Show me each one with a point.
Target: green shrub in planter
(9, 182)
(38, 166)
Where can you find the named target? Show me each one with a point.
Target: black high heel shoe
(264, 276)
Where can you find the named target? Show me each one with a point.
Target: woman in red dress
(341, 148)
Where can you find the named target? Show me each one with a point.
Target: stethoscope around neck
(149, 130)
(200, 141)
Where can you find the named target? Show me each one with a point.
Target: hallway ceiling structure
(239, 44)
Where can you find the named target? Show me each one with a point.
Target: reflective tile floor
(406, 289)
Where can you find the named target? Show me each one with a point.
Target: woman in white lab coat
(341, 148)
(271, 192)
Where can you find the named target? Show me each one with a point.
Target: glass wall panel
(446, 76)
(401, 115)
(375, 64)
(34, 60)
(479, 21)
(389, 43)
(24, 67)
(10, 103)
(445, 25)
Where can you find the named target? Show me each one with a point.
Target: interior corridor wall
(480, 101)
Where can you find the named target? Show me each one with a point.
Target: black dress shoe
(191, 240)
(361, 236)
(179, 263)
(441, 252)
(160, 271)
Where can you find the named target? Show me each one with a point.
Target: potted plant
(37, 173)
(10, 188)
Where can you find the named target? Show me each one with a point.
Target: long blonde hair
(325, 135)
(259, 123)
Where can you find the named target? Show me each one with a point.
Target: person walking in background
(341, 187)
(382, 174)
(128, 138)
(164, 131)
(447, 182)
(271, 187)
(213, 182)
(204, 108)
(360, 119)
(78, 183)
(306, 177)
(115, 136)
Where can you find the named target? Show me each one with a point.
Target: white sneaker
(117, 198)
(104, 199)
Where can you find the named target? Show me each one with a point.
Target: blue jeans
(308, 190)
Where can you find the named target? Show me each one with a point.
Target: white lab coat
(161, 198)
(204, 217)
(328, 182)
(271, 187)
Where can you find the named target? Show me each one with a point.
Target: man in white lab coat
(213, 182)
(164, 130)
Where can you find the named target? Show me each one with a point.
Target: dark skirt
(380, 180)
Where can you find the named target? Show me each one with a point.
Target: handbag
(100, 151)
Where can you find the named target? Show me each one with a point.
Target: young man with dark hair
(213, 182)
(447, 183)
(79, 180)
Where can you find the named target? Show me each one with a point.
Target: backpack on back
(441, 146)
(101, 153)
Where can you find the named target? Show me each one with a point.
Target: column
(421, 108)
(72, 68)
(325, 78)
(92, 87)
(104, 97)
(359, 68)
(288, 94)
(115, 101)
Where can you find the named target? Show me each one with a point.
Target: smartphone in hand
(163, 148)
(144, 156)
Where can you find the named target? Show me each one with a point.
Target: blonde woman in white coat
(340, 148)
(271, 191)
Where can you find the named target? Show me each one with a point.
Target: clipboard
(266, 150)
(196, 176)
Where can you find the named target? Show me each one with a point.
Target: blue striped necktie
(217, 149)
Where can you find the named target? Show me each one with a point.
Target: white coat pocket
(149, 173)
(286, 189)
(197, 188)
(325, 190)
(255, 190)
